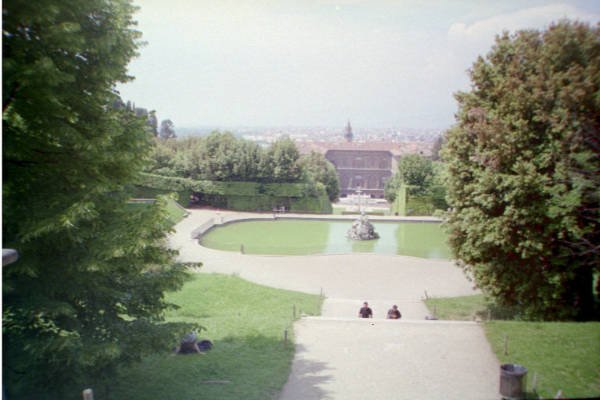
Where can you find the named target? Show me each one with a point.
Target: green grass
(464, 308)
(176, 212)
(246, 323)
(565, 356)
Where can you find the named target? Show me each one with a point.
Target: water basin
(303, 237)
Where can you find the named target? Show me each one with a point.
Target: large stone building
(365, 166)
(361, 166)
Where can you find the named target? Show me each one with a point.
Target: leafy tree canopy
(221, 156)
(86, 295)
(167, 129)
(282, 160)
(524, 171)
(317, 168)
(419, 173)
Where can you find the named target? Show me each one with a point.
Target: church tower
(348, 132)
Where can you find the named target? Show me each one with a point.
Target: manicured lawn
(565, 356)
(464, 308)
(246, 323)
(176, 212)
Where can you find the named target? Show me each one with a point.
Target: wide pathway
(341, 357)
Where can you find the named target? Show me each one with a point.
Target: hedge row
(242, 196)
(227, 188)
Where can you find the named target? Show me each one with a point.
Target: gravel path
(339, 356)
(382, 359)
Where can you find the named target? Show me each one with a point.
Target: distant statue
(362, 229)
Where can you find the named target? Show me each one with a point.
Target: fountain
(362, 229)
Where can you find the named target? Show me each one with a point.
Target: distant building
(366, 166)
(348, 135)
(361, 166)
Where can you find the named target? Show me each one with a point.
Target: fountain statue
(362, 229)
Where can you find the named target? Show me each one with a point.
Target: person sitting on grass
(394, 313)
(190, 345)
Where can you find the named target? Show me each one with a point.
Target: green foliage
(282, 161)
(423, 182)
(244, 196)
(524, 172)
(175, 212)
(419, 205)
(436, 148)
(416, 171)
(239, 174)
(392, 187)
(399, 202)
(87, 292)
(223, 188)
(437, 188)
(167, 129)
(318, 203)
(144, 192)
(221, 156)
(318, 169)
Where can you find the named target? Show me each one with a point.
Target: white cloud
(481, 33)
(466, 41)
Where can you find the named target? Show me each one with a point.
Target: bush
(242, 196)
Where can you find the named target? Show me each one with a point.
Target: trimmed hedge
(227, 188)
(243, 196)
(399, 205)
(419, 205)
(183, 196)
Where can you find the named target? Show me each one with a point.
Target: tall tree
(414, 170)
(153, 122)
(437, 147)
(167, 129)
(223, 157)
(88, 290)
(524, 172)
(317, 168)
(282, 161)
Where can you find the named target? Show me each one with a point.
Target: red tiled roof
(396, 149)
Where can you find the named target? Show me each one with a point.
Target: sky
(305, 63)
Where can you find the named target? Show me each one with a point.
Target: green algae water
(303, 237)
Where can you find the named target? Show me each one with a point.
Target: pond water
(302, 237)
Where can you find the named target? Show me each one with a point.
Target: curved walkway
(341, 357)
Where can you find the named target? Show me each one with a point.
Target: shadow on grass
(306, 378)
(249, 367)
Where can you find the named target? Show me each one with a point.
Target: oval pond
(303, 237)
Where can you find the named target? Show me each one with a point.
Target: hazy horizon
(320, 63)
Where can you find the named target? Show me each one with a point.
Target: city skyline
(380, 64)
